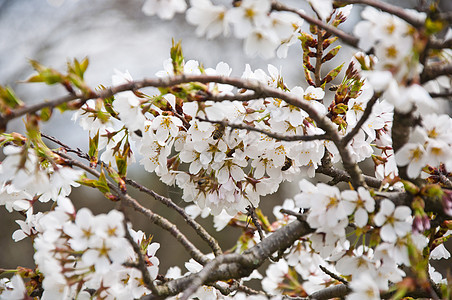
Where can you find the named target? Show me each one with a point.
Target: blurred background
(117, 35)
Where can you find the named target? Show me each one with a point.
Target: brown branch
(318, 59)
(241, 265)
(342, 176)
(236, 97)
(158, 220)
(345, 37)
(141, 263)
(447, 94)
(389, 8)
(335, 291)
(440, 44)
(332, 275)
(434, 71)
(190, 221)
(277, 136)
(370, 104)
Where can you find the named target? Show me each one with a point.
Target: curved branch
(167, 201)
(260, 88)
(389, 8)
(345, 37)
(341, 175)
(240, 265)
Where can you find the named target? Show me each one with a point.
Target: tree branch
(277, 136)
(260, 88)
(141, 263)
(190, 221)
(345, 37)
(434, 71)
(240, 265)
(370, 104)
(389, 8)
(166, 201)
(153, 217)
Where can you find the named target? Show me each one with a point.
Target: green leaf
(331, 54)
(46, 113)
(8, 97)
(94, 145)
(331, 75)
(177, 58)
(102, 184)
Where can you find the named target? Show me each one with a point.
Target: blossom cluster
(25, 178)
(372, 269)
(226, 148)
(263, 30)
(80, 255)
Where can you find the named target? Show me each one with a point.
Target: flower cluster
(24, 178)
(263, 30)
(329, 212)
(429, 144)
(77, 251)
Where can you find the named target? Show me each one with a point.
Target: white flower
(165, 9)
(275, 274)
(166, 126)
(28, 227)
(262, 42)
(248, 15)
(394, 222)
(364, 287)
(209, 18)
(362, 201)
(323, 7)
(15, 289)
(440, 252)
(413, 155)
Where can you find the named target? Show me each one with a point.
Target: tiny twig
(389, 8)
(299, 216)
(141, 266)
(251, 213)
(370, 104)
(332, 275)
(277, 136)
(190, 221)
(345, 37)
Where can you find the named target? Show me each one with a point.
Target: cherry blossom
(394, 221)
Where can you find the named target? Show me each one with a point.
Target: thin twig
(370, 104)
(158, 220)
(434, 71)
(345, 37)
(391, 9)
(447, 94)
(299, 216)
(332, 275)
(277, 136)
(168, 202)
(190, 221)
(251, 213)
(341, 175)
(141, 263)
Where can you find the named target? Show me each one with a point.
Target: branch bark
(345, 37)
